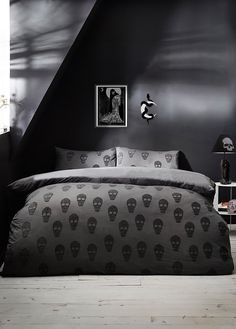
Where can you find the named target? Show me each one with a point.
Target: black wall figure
(170, 49)
(145, 108)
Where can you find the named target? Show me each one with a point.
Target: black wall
(181, 52)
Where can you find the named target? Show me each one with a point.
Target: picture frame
(111, 106)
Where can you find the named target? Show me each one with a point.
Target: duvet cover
(117, 220)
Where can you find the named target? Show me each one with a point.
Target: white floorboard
(126, 302)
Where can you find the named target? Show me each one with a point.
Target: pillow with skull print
(74, 159)
(141, 158)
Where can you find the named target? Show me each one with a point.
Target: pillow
(141, 158)
(73, 159)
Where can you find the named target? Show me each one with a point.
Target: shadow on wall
(171, 50)
(41, 33)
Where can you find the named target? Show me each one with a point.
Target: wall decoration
(144, 109)
(111, 106)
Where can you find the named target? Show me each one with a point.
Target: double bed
(119, 211)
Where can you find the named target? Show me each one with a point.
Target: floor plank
(124, 302)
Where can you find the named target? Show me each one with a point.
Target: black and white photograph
(129, 228)
(111, 106)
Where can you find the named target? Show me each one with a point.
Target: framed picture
(111, 106)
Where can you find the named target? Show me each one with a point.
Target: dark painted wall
(181, 52)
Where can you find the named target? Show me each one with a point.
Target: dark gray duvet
(117, 221)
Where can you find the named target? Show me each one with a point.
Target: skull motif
(157, 164)
(73, 220)
(178, 213)
(141, 248)
(47, 196)
(205, 222)
(209, 206)
(120, 157)
(208, 249)
(66, 188)
(163, 205)
(32, 207)
(112, 194)
(222, 228)
(106, 160)
(97, 203)
(83, 158)
(46, 214)
(92, 223)
(159, 251)
(112, 212)
(41, 244)
(228, 144)
(43, 269)
(144, 155)
(108, 241)
(177, 197)
(196, 208)
(131, 153)
(24, 256)
(131, 204)
(123, 227)
(75, 248)
(177, 268)
(168, 157)
(175, 242)
(59, 252)
(193, 252)
(57, 228)
(139, 221)
(65, 203)
(92, 251)
(69, 155)
(157, 225)
(189, 228)
(126, 252)
(80, 186)
(147, 199)
(81, 198)
(26, 227)
(224, 253)
(110, 268)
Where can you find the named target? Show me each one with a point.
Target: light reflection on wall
(41, 34)
(193, 71)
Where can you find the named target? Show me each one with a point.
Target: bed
(122, 219)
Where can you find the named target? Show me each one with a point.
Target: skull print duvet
(129, 220)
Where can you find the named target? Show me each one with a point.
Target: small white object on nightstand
(230, 186)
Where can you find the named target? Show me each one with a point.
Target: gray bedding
(128, 220)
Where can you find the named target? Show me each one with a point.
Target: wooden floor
(119, 301)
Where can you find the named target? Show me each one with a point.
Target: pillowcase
(73, 159)
(141, 158)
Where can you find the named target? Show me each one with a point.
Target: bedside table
(230, 188)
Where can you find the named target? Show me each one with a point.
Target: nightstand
(231, 189)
